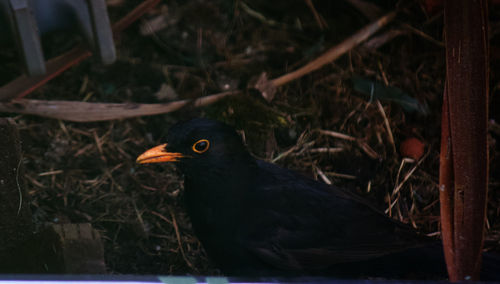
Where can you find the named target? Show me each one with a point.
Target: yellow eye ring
(201, 146)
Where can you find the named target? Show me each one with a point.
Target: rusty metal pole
(464, 152)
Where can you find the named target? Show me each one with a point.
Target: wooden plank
(69, 249)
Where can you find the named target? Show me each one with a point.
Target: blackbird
(257, 219)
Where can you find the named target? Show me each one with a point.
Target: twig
(336, 51)
(161, 217)
(424, 35)
(19, 186)
(339, 175)
(251, 12)
(49, 173)
(369, 10)
(319, 20)
(135, 14)
(384, 76)
(435, 234)
(284, 154)
(34, 181)
(322, 175)
(178, 235)
(405, 179)
(326, 150)
(365, 147)
(298, 145)
(387, 126)
(268, 87)
(379, 40)
(139, 216)
(98, 143)
(337, 135)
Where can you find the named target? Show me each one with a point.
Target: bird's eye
(201, 146)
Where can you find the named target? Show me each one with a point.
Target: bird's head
(199, 145)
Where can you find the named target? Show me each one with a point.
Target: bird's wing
(306, 224)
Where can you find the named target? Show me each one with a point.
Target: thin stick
(407, 176)
(133, 15)
(139, 216)
(300, 143)
(322, 175)
(284, 154)
(339, 175)
(387, 126)
(367, 149)
(326, 150)
(178, 235)
(319, 20)
(336, 51)
(424, 35)
(405, 179)
(49, 173)
(337, 135)
(19, 186)
(161, 217)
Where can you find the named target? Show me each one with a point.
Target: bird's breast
(213, 207)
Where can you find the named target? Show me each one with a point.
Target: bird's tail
(431, 264)
(490, 269)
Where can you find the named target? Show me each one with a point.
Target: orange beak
(158, 154)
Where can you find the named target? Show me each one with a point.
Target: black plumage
(255, 218)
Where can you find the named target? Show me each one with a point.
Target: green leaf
(375, 90)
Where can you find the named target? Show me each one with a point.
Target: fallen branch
(268, 87)
(89, 112)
